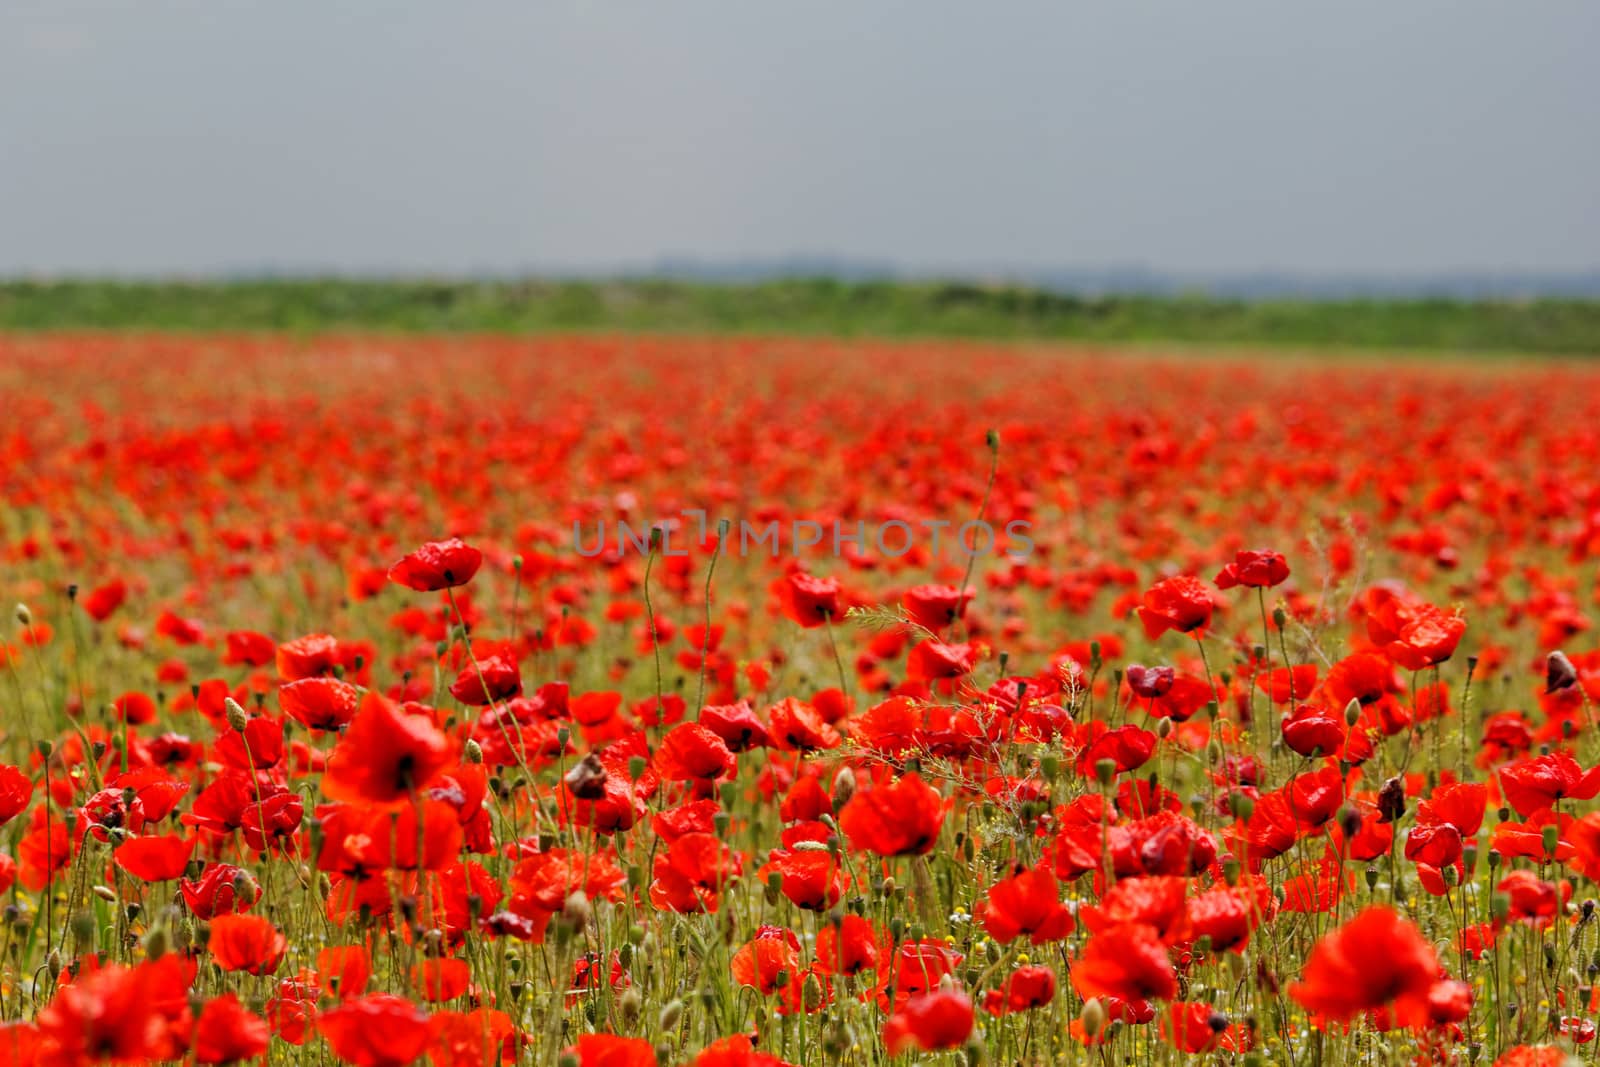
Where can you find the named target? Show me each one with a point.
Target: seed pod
(587, 778)
(1559, 673)
(1391, 800)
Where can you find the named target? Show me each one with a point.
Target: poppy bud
(1391, 800)
(1349, 821)
(1551, 835)
(105, 893)
(237, 718)
(1230, 871)
(1243, 805)
(844, 787)
(1500, 906)
(1105, 770)
(569, 1059)
(629, 1005)
(1164, 728)
(1352, 712)
(668, 1019)
(472, 752)
(576, 909)
(53, 961)
(587, 778)
(1452, 877)
(1559, 673)
(24, 616)
(992, 439)
(811, 993)
(897, 928)
(156, 942)
(1093, 1017)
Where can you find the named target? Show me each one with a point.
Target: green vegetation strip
(866, 309)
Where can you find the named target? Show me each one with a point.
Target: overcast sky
(1387, 136)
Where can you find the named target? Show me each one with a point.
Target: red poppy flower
(1194, 1028)
(319, 703)
(101, 601)
(227, 1032)
(379, 1030)
(16, 791)
(768, 961)
(807, 599)
(1028, 902)
(1375, 960)
(1255, 569)
(1533, 901)
(104, 1015)
(1314, 731)
(385, 754)
(135, 709)
(442, 979)
(1183, 604)
(249, 648)
(797, 726)
(1157, 902)
(1150, 682)
(692, 753)
(247, 943)
(1414, 635)
(902, 818)
(849, 946)
(1285, 684)
(155, 859)
(736, 724)
(1127, 747)
(608, 1050)
(933, 607)
(932, 661)
(437, 565)
(345, 969)
(488, 681)
(938, 1020)
(691, 873)
(813, 880)
(1225, 915)
(1536, 783)
(1024, 989)
(1128, 962)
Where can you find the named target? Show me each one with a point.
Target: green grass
(821, 306)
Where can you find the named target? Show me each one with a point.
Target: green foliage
(816, 306)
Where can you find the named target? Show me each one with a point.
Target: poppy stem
(844, 686)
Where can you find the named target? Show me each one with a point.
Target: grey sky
(1366, 135)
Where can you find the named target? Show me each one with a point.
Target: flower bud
(472, 752)
(844, 787)
(1105, 770)
(1559, 673)
(1352, 712)
(1093, 1017)
(237, 718)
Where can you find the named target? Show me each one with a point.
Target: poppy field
(721, 702)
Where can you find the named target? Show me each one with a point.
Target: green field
(887, 309)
